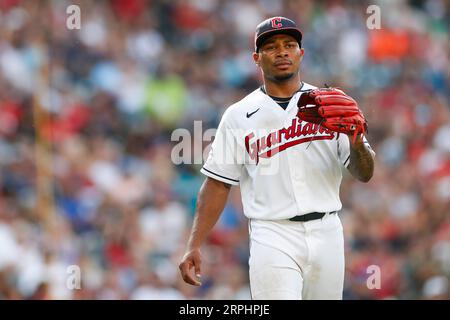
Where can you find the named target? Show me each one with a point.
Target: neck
(282, 89)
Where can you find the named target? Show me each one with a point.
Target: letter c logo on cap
(276, 23)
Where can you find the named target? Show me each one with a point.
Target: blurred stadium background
(86, 118)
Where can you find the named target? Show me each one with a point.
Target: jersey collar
(263, 89)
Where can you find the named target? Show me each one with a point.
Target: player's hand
(355, 141)
(192, 259)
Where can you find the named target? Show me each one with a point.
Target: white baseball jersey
(284, 167)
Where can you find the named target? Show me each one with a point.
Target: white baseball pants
(292, 260)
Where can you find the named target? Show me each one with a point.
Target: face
(279, 57)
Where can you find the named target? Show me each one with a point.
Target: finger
(338, 111)
(309, 117)
(344, 125)
(305, 99)
(197, 267)
(186, 274)
(310, 114)
(335, 99)
(326, 91)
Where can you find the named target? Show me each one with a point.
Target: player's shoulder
(249, 102)
(307, 86)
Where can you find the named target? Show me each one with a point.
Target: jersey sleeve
(344, 149)
(222, 163)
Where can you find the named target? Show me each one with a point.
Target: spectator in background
(122, 83)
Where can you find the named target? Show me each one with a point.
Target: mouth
(283, 64)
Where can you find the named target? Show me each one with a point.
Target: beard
(283, 77)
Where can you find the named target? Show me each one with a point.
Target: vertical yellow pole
(45, 208)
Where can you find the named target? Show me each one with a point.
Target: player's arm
(211, 201)
(361, 160)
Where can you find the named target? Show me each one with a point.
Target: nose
(282, 52)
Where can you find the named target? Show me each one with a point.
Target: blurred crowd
(86, 123)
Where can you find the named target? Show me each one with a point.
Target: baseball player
(286, 145)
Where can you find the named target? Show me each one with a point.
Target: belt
(310, 216)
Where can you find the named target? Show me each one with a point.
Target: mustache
(282, 61)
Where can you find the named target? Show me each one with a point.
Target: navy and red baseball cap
(276, 25)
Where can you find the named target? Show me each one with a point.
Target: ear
(256, 58)
(302, 53)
